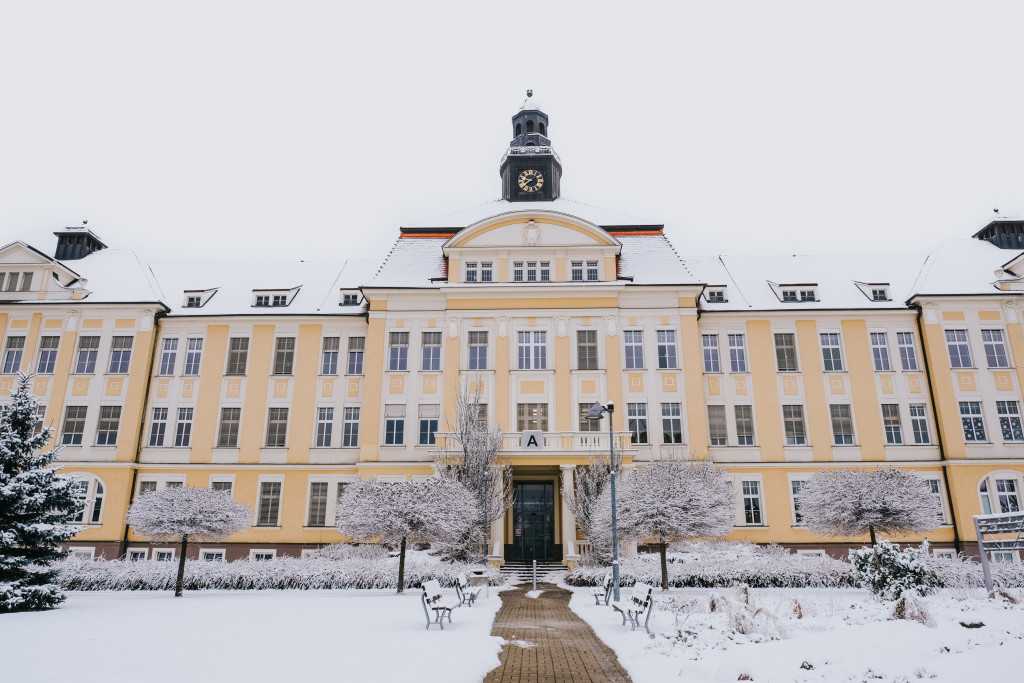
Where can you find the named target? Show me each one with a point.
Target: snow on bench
(639, 602)
(467, 594)
(433, 600)
(605, 591)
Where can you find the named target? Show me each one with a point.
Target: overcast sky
(268, 130)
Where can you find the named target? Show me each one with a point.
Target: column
(570, 552)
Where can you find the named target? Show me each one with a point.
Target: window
(715, 296)
(329, 356)
(592, 270)
(586, 349)
(350, 428)
(90, 491)
(477, 350)
(789, 295)
(12, 356)
(891, 423)
(842, 424)
(270, 503)
(74, 425)
(394, 425)
(88, 347)
(634, 349)
(431, 351)
(350, 298)
(429, 416)
(284, 355)
(356, 348)
(936, 489)
(1006, 489)
(106, 428)
(744, 425)
(40, 416)
(147, 486)
(717, 429)
(193, 356)
(238, 355)
(229, 419)
(974, 424)
(808, 295)
(995, 348)
(880, 351)
(533, 350)
(532, 416)
(317, 504)
(183, 429)
(751, 501)
(47, 355)
(1009, 420)
(226, 485)
(667, 349)
(793, 419)
(324, 426)
(959, 350)
(831, 354)
(471, 272)
(785, 351)
(585, 424)
(908, 354)
(211, 555)
(120, 355)
(481, 415)
(262, 300)
(879, 294)
(577, 271)
(262, 555)
(671, 423)
(486, 272)
(517, 271)
(919, 423)
(163, 555)
(545, 271)
(137, 555)
(277, 427)
(168, 356)
(795, 488)
(636, 414)
(737, 353)
(193, 302)
(709, 343)
(398, 351)
(158, 427)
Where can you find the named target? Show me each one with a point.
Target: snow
(588, 212)
(534, 594)
(249, 636)
(964, 266)
(844, 634)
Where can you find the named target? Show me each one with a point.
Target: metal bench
(434, 601)
(605, 591)
(639, 603)
(467, 594)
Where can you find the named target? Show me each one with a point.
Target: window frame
(785, 352)
(795, 439)
(962, 348)
(831, 352)
(710, 353)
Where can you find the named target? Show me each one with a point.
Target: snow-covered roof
(117, 276)
(413, 262)
(593, 214)
(962, 267)
(652, 260)
(319, 285)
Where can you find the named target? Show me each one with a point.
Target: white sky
(206, 130)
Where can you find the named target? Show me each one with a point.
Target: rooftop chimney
(76, 242)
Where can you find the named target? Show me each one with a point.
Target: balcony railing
(590, 443)
(530, 151)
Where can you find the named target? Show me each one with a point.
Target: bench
(467, 594)
(434, 601)
(605, 591)
(639, 603)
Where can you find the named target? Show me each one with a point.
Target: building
(283, 384)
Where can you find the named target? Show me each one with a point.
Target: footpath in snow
(344, 635)
(828, 635)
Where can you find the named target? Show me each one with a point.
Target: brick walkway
(564, 648)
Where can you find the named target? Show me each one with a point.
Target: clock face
(531, 180)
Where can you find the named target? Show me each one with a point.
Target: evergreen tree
(36, 508)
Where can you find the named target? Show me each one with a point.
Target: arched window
(519, 129)
(542, 130)
(90, 491)
(1000, 492)
(529, 126)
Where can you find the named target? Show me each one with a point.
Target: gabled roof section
(548, 229)
(966, 267)
(412, 262)
(21, 253)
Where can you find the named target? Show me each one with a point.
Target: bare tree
(399, 512)
(476, 462)
(184, 513)
(590, 482)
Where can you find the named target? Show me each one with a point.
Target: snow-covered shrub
(966, 574)
(912, 608)
(310, 573)
(889, 572)
(724, 564)
(755, 621)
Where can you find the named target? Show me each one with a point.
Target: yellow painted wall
(819, 420)
(373, 370)
(867, 412)
(767, 408)
(254, 409)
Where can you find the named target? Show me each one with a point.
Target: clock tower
(530, 170)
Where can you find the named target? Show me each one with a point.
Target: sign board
(533, 440)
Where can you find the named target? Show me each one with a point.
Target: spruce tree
(36, 508)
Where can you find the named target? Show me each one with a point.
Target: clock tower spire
(530, 170)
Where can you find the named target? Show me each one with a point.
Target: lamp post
(595, 413)
(487, 506)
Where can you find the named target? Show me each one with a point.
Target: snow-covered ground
(843, 635)
(342, 635)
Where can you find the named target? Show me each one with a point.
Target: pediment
(27, 273)
(531, 229)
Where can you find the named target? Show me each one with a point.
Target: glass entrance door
(533, 521)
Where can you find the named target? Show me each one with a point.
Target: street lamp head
(487, 476)
(596, 411)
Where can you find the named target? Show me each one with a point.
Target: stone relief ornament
(931, 313)
(561, 325)
(611, 325)
(531, 234)
(502, 321)
(1010, 311)
(453, 327)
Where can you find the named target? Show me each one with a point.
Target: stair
(523, 571)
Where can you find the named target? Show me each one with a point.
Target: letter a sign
(533, 440)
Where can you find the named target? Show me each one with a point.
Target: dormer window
(879, 295)
(273, 298)
(715, 295)
(789, 295)
(350, 297)
(471, 272)
(193, 302)
(808, 295)
(197, 298)
(875, 291)
(795, 293)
